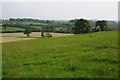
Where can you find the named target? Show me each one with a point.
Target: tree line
(83, 26)
(76, 26)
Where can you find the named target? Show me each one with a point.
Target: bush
(48, 35)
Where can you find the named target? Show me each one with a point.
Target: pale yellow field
(9, 37)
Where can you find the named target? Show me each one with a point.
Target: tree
(42, 34)
(102, 25)
(81, 26)
(27, 31)
(5, 26)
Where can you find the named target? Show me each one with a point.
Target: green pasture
(93, 55)
(11, 29)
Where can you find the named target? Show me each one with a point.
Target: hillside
(93, 55)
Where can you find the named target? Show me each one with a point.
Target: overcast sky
(60, 10)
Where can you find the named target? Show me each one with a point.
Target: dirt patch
(11, 39)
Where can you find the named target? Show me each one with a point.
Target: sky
(60, 10)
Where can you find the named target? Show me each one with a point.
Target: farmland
(10, 37)
(11, 29)
(93, 55)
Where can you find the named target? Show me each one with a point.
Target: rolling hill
(93, 55)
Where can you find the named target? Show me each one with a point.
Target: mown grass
(93, 55)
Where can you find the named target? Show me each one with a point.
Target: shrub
(48, 35)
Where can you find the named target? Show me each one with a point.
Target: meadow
(11, 29)
(93, 55)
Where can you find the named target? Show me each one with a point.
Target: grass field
(93, 55)
(11, 29)
(37, 27)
